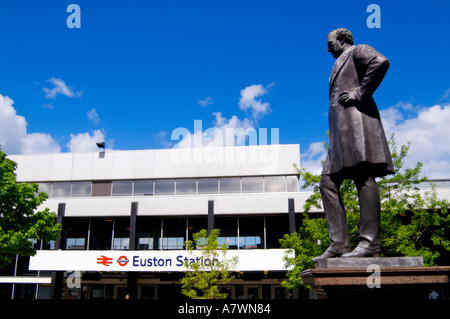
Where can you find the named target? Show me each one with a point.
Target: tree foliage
(20, 223)
(414, 222)
(208, 270)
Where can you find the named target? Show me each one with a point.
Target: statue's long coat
(357, 142)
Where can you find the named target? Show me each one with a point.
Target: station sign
(152, 261)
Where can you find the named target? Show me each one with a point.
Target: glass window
(230, 185)
(165, 187)
(275, 184)
(122, 188)
(74, 234)
(186, 186)
(292, 183)
(143, 188)
(61, 189)
(276, 227)
(208, 186)
(81, 189)
(46, 188)
(174, 233)
(121, 234)
(149, 232)
(195, 225)
(100, 234)
(252, 184)
(101, 189)
(228, 231)
(251, 232)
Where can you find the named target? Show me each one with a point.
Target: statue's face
(335, 47)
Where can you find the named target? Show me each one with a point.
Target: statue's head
(338, 41)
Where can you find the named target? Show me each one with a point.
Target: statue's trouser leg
(369, 204)
(335, 214)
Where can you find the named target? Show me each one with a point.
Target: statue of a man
(358, 148)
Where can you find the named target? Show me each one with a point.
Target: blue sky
(137, 70)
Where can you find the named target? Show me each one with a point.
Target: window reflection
(189, 186)
(75, 233)
(143, 188)
(164, 187)
(292, 184)
(275, 184)
(122, 188)
(186, 186)
(61, 189)
(46, 188)
(121, 234)
(208, 186)
(149, 232)
(252, 184)
(228, 231)
(81, 189)
(230, 185)
(195, 225)
(251, 232)
(174, 233)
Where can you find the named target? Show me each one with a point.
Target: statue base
(384, 277)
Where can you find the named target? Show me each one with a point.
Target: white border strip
(25, 280)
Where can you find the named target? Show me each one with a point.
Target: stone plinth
(398, 277)
(382, 262)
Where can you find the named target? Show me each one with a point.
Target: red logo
(105, 261)
(122, 261)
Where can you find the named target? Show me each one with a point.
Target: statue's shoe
(361, 252)
(325, 255)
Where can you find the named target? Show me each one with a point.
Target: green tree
(20, 223)
(413, 222)
(208, 270)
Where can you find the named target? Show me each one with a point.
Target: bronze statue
(358, 148)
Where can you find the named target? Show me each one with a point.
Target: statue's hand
(347, 98)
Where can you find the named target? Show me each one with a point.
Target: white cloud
(14, 138)
(312, 159)
(205, 102)
(39, 143)
(85, 142)
(60, 87)
(224, 131)
(13, 127)
(427, 128)
(93, 116)
(249, 100)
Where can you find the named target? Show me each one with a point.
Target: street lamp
(101, 145)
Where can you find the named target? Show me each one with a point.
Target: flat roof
(162, 163)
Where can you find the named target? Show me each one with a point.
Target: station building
(127, 214)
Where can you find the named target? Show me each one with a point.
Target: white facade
(271, 160)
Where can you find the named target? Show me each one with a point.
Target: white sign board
(152, 261)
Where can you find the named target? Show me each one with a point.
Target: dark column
(57, 276)
(211, 224)
(133, 226)
(291, 210)
(132, 277)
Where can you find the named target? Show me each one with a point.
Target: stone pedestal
(355, 278)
